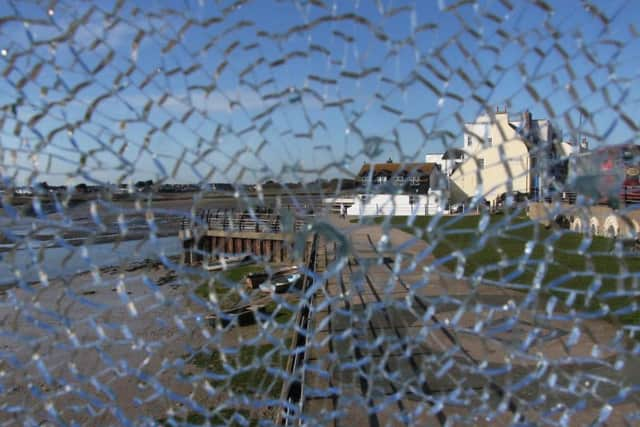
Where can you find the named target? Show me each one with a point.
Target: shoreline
(99, 325)
(106, 269)
(99, 239)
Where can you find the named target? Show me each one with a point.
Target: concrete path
(398, 342)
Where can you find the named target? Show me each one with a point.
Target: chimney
(526, 121)
(584, 145)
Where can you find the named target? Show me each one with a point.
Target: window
(468, 141)
(489, 140)
(480, 163)
(399, 179)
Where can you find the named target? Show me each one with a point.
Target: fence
(226, 220)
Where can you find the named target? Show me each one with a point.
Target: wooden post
(206, 249)
(267, 248)
(256, 247)
(277, 250)
(187, 251)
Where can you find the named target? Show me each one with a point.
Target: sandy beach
(109, 347)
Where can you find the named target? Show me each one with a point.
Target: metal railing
(629, 194)
(225, 220)
(292, 393)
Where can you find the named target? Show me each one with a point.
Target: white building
(395, 189)
(447, 160)
(507, 156)
(398, 204)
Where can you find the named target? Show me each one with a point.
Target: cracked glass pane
(319, 212)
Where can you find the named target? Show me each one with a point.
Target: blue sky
(204, 91)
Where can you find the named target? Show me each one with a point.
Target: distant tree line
(320, 184)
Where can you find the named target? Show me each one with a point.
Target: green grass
(238, 273)
(226, 284)
(226, 287)
(241, 370)
(574, 261)
(222, 417)
(282, 315)
(250, 362)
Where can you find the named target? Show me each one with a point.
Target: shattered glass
(187, 237)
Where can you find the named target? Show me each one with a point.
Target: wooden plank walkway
(404, 348)
(370, 363)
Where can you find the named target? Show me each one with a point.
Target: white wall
(506, 162)
(567, 149)
(506, 169)
(338, 200)
(478, 133)
(397, 205)
(446, 165)
(433, 158)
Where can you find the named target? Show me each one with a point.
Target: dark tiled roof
(398, 168)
